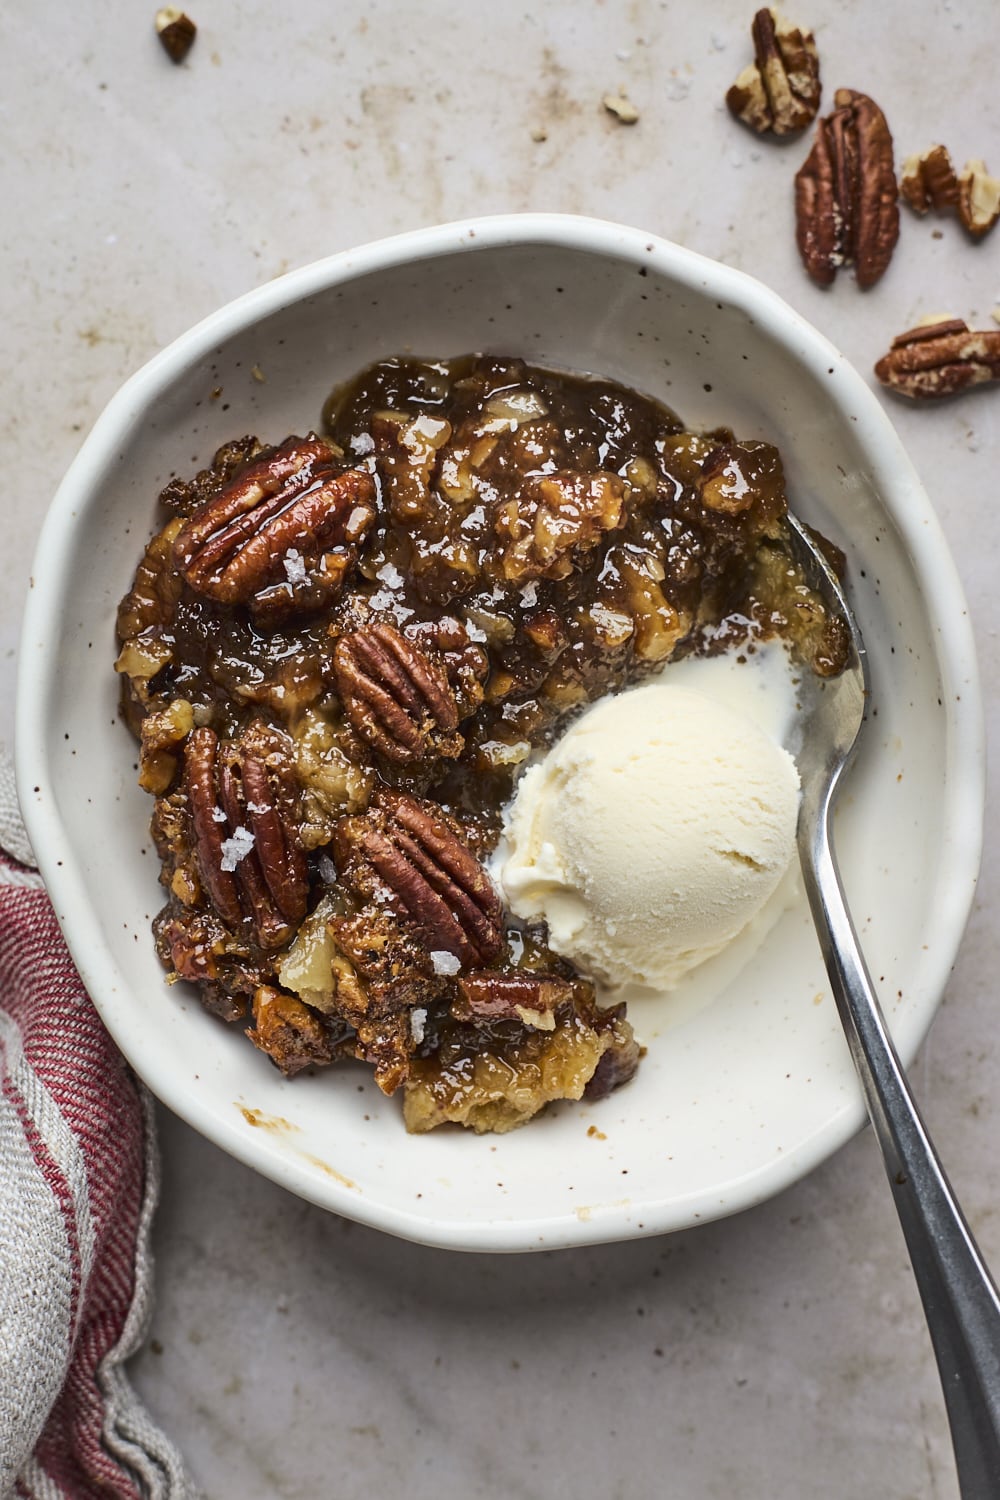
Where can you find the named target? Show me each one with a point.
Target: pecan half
(845, 194)
(241, 797)
(395, 695)
(929, 181)
(511, 995)
(779, 91)
(411, 852)
(281, 533)
(554, 517)
(940, 359)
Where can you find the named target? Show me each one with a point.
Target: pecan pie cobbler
(338, 651)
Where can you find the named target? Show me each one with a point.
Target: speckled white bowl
(735, 1100)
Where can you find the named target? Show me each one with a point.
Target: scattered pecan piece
(511, 995)
(929, 181)
(940, 359)
(395, 695)
(779, 91)
(845, 193)
(242, 796)
(176, 32)
(978, 199)
(554, 517)
(415, 853)
(292, 1035)
(282, 533)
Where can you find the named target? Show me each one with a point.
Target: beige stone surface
(779, 1354)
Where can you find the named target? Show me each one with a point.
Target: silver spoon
(960, 1300)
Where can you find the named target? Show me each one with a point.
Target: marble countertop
(777, 1354)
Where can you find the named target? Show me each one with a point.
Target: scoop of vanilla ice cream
(652, 833)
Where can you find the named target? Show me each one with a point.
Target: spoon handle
(960, 1300)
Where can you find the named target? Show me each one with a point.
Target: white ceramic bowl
(735, 1100)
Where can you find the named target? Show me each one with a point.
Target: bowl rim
(901, 496)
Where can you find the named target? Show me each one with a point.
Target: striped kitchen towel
(78, 1185)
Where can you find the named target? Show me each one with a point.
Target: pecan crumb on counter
(339, 651)
(621, 107)
(176, 32)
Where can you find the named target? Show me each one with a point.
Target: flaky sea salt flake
(236, 848)
(295, 566)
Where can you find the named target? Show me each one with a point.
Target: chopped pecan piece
(845, 193)
(195, 945)
(412, 852)
(282, 533)
(940, 359)
(316, 969)
(176, 32)
(161, 735)
(511, 995)
(978, 199)
(735, 477)
(554, 517)
(929, 181)
(395, 695)
(293, 1036)
(406, 449)
(392, 965)
(242, 796)
(149, 603)
(619, 1063)
(779, 91)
